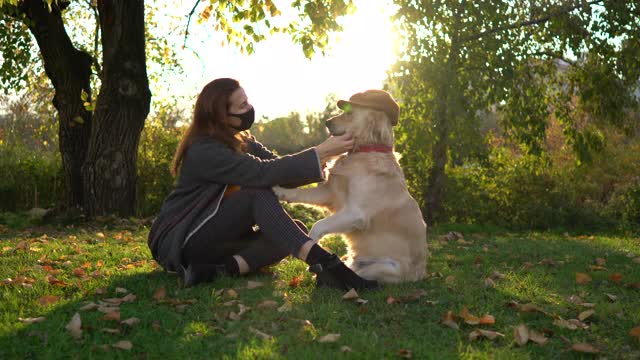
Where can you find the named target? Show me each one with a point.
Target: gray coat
(208, 167)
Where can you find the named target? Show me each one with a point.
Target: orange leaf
(295, 282)
(160, 293)
(582, 278)
(113, 315)
(615, 277)
(635, 332)
(48, 299)
(584, 348)
(487, 320)
(468, 318)
(79, 272)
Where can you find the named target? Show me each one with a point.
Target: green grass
(200, 328)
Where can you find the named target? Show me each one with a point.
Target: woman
(206, 226)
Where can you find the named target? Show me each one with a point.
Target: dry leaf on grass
(113, 315)
(635, 332)
(481, 333)
(260, 334)
(74, 326)
(110, 331)
(405, 353)
(230, 294)
(345, 349)
(31, 320)
(601, 262)
(295, 282)
(132, 321)
(89, 307)
(521, 334)
(585, 314)
(449, 319)
(268, 304)
(489, 283)
(123, 344)
(468, 318)
(48, 299)
(160, 293)
(584, 348)
(615, 277)
(329, 338)
(582, 278)
(254, 284)
(611, 297)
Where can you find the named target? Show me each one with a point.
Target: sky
(277, 77)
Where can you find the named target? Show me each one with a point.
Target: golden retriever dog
(367, 193)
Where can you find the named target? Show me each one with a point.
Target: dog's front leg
(343, 221)
(320, 195)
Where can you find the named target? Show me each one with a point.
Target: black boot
(198, 273)
(335, 274)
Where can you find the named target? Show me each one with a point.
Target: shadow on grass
(377, 329)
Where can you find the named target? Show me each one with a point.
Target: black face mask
(247, 120)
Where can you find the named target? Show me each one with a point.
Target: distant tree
(462, 57)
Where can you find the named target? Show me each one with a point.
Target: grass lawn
(546, 282)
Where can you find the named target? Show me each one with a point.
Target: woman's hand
(334, 145)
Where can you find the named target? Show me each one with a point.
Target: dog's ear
(382, 130)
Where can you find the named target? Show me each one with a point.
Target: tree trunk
(69, 70)
(121, 109)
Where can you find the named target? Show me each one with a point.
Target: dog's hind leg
(383, 272)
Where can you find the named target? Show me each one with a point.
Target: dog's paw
(280, 192)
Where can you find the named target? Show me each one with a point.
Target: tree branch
(528, 22)
(186, 32)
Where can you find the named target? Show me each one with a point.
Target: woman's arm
(260, 150)
(211, 161)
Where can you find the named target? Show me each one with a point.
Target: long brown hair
(210, 120)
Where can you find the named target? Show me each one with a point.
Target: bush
(30, 178)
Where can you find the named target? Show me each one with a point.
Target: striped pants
(231, 231)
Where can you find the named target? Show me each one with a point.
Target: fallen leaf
(496, 275)
(480, 333)
(132, 321)
(22, 245)
(31, 320)
(565, 324)
(350, 295)
(537, 337)
(521, 334)
(636, 260)
(268, 304)
(123, 344)
(79, 272)
(89, 307)
(260, 334)
(120, 290)
(345, 349)
(635, 332)
(468, 318)
(74, 326)
(611, 297)
(487, 320)
(450, 279)
(233, 316)
(584, 348)
(230, 294)
(100, 235)
(295, 282)
(113, 315)
(254, 284)
(582, 278)
(585, 314)
(160, 293)
(53, 281)
(329, 338)
(48, 299)
(601, 262)
(101, 291)
(405, 353)
(489, 283)
(128, 298)
(449, 320)
(615, 277)
(155, 325)
(242, 309)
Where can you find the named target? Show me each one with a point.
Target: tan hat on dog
(375, 99)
